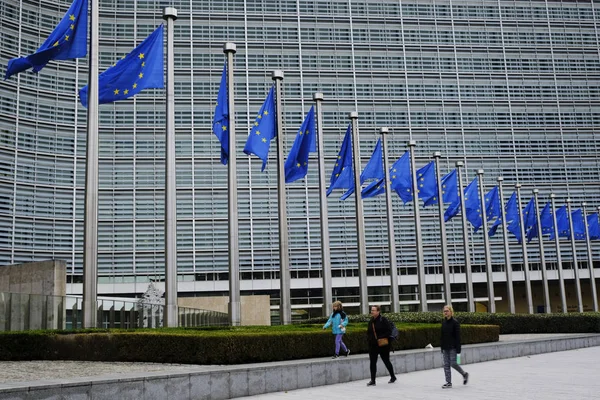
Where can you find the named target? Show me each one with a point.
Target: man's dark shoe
(447, 386)
(347, 353)
(466, 378)
(371, 383)
(335, 356)
(392, 380)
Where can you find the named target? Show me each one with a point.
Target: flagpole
(444, 245)
(465, 228)
(542, 255)
(170, 317)
(508, 267)
(325, 251)
(360, 222)
(234, 306)
(486, 245)
(524, 249)
(90, 238)
(395, 295)
(561, 279)
(574, 251)
(418, 239)
(285, 306)
(590, 259)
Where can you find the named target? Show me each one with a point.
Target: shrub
(509, 323)
(225, 345)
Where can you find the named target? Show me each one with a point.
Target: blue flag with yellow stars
(512, 216)
(493, 210)
(341, 176)
(400, 177)
(546, 220)
(296, 165)
(562, 223)
(578, 224)
(375, 188)
(427, 184)
(67, 41)
(263, 130)
(530, 220)
(373, 170)
(473, 204)
(141, 69)
(593, 226)
(221, 118)
(451, 195)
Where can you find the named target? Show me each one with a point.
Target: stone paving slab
(564, 375)
(56, 380)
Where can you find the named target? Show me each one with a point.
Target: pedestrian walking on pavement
(338, 320)
(451, 346)
(378, 339)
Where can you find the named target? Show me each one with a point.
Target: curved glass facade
(512, 87)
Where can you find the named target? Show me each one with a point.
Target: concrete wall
(255, 309)
(32, 295)
(44, 277)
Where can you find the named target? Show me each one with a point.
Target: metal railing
(21, 311)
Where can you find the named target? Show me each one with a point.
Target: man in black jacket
(451, 346)
(379, 328)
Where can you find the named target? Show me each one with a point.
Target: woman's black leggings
(384, 352)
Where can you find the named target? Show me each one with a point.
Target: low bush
(223, 345)
(508, 323)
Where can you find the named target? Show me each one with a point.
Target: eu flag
(375, 188)
(341, 176)
(221, 118)
(373, 170)
(473, 204)
(562, 222)
(493, 210)
(546, 219)
(530, 220)
(512, 216)
(296, 165)
(141, 69)
(451, 195)
(578, 224)
(263, 130)
(593, 226)
(400, 177)
(427, 184)
(67, 41)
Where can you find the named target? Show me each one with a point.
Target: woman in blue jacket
(338, 321)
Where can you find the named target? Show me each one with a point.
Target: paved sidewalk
(573, 374)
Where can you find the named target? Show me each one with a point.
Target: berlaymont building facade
(510, 87)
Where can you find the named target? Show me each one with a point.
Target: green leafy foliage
(213, 345)
(508, 323)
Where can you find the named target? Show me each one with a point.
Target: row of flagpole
(68, 41)
(285, 305)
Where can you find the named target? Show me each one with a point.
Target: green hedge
(509, 323)
(227, 345)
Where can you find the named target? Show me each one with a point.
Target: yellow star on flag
(72, 17)
(116, 91)
(141, 75)
(258, 132)
(135, 85)
(141, 56)
(264, 140)
(126, 91)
